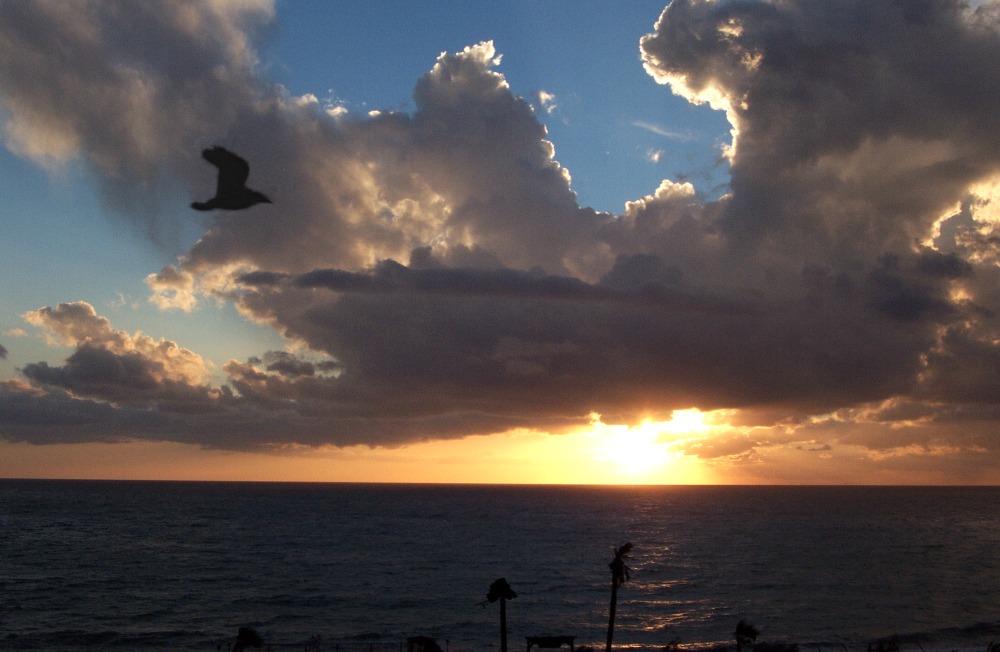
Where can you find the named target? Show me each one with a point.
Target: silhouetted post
(503, 625)
(500, 590)
(619, 575)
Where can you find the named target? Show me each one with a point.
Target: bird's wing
(233, 170)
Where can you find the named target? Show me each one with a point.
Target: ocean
(181, 566)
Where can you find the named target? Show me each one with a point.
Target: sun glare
(650, 451)
(636, 451)
(682, 422)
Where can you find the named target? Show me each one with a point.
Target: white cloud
(662, 131)
(546, 100)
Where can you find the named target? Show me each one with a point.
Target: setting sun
(649, 452)
(635, 450)
(688, 421)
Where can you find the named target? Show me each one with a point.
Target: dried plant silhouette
(746, 635)
(422, 644)
(619, 575)
(231, 192)
(765, 646)
(247, 637)
(891, 644)
(500, 590)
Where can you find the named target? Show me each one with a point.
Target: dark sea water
(181, 566)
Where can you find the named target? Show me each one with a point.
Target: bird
(231, 193)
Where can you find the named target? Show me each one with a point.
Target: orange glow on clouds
(665, 452)
(603, 454)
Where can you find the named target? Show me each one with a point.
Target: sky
(561, 242)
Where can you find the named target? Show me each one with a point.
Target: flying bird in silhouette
(231, 193)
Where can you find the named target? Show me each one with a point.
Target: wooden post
(503, 625)
(611, 614)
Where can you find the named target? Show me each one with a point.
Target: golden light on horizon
(651, 452)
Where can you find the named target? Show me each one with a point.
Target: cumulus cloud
(111, 365)
(444, 281)
(134, 90)
(78, 324)
(546, 100)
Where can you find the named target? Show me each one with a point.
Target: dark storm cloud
(291, 365)
(852, 269)
(128, 377)
(570, 348)
(155, 389)
(636, 280)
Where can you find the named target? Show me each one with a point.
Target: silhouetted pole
(619, 575)
(500, 590)
(503, 624)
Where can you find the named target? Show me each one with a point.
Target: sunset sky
(561, 241)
